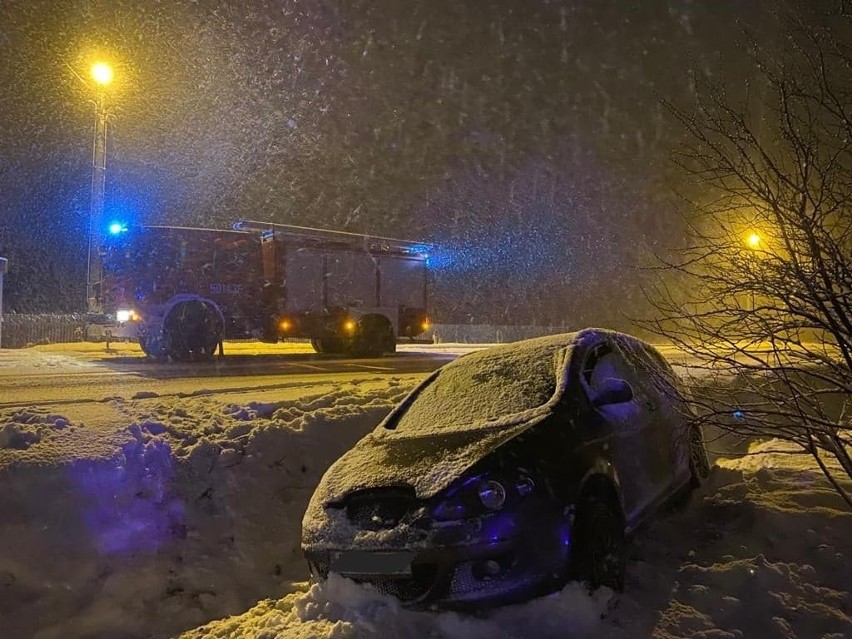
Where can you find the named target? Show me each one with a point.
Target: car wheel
(699, 463)
(599, 550)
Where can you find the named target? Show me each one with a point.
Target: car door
(668, 435)
(629, 425)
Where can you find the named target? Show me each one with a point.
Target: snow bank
(196, 516)
(340, 608)
(22, 428)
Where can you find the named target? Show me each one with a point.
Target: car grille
(463, 580)
(420, 582)
(379, 508)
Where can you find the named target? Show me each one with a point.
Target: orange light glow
(102, 73)
(753, 240)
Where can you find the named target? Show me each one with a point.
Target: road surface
(57, 376)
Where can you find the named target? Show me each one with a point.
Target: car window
(654, 373)
(604, 363)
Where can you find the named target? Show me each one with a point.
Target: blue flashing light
(738, 414)
(421, 250)
(116, 228)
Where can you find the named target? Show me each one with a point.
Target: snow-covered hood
(429, 463)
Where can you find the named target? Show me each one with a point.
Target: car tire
(599, 546)
(699, 462)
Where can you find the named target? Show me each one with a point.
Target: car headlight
(492, 494)
(480, 495)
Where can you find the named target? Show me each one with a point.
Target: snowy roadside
(195, 515)
(758, 552)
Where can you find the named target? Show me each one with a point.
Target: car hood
(429, 463)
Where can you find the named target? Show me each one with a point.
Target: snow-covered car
(509, 472)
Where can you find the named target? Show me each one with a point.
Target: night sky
(526, 139)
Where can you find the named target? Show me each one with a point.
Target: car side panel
(624, 431)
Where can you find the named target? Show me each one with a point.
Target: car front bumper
(485, 572)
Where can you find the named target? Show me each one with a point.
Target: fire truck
(181, 291)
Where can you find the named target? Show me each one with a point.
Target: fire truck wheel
(153, 347)
(375, 336)
(327, 344)
(192, 331)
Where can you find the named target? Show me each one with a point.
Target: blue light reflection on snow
(128, 505)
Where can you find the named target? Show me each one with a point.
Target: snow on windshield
(485, 387)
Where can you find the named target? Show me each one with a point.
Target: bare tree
(762, 292)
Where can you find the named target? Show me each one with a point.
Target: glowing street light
(753, 240)
(102, 74)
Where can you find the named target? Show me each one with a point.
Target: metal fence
(21, 330)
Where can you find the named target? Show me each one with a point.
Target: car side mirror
(612, 391)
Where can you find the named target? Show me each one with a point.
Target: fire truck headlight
(127, 315)
(349, 326)
(285, 325)
(426, 325)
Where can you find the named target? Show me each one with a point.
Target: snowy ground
(195, 515)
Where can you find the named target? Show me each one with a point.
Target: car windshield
(485, 388)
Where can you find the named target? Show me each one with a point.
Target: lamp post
(4, 267)
(753, 241)
(102, 75)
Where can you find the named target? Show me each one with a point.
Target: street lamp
(4, 267)
(102, 74)
(753, 241)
